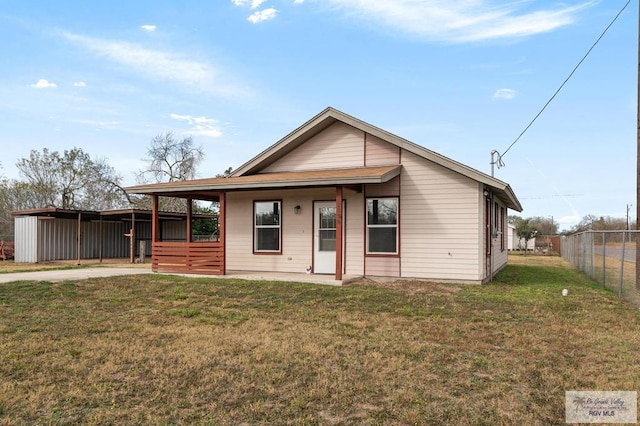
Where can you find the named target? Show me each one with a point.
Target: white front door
(324, 245)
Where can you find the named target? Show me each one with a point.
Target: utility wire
(564, 82)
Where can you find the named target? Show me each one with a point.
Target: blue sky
(458, 77)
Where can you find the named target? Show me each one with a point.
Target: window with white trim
(267, 226)
(382, 225)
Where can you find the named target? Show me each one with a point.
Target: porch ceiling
(334, 177)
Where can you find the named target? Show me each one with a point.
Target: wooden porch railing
(188, 258)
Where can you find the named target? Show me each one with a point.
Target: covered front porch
(193, 257)
(212, 257)
(209, 257)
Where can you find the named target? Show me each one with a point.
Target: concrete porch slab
(279, 276)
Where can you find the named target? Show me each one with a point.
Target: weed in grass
(185, 312)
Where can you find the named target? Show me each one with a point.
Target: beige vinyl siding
(338, 146)
(354, 244)
(482, 234)
(379, 152)
(382, 266)
(439, 222)
(297, 230)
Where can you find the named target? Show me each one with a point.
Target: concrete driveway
(71, 274)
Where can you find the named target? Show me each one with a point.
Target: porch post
(222, 225)
(154, 219)
(154, 231)
(79, 236)
(132, 238)
(101, 237)
(189, 218)
(338, 233)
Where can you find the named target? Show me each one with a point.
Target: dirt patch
(412, 286)
(8, 266)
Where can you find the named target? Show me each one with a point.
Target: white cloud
(79, 84)
(298, 1)
(202, 126)
(461, 21)
(254, 4)
(159, 65)
(44, 84)
(507, 94)
(262, 15)
(150, 28)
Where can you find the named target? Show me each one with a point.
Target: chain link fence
(608, 257)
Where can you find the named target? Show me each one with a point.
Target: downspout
(491, 226)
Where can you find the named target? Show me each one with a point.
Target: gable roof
(331, 115)
(248, 175)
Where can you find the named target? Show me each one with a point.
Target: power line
(543, 197)
(563, 83)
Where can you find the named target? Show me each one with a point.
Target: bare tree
(171, 160)
(600, 223)
(68, 181)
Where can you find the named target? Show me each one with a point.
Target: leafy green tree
(545, 225)
(226, 173)
(525, 230)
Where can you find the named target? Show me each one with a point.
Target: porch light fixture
(486, 193)
(296, 210)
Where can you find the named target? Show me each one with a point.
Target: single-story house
(342, 197)
(48, 234)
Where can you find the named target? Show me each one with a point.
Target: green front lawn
(173, 350)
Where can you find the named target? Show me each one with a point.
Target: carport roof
(86, 215)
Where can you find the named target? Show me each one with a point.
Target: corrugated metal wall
(143, 233)
(25, 238)
(174, 231)
(44, 239)
(58, 240)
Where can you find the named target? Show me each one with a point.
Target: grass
(174, 350)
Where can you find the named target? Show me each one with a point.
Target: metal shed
(49, 234)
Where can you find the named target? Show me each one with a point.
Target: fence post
(604, 259)
(624, 234)
(583, 259)
(143, 251)
(592, 253)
